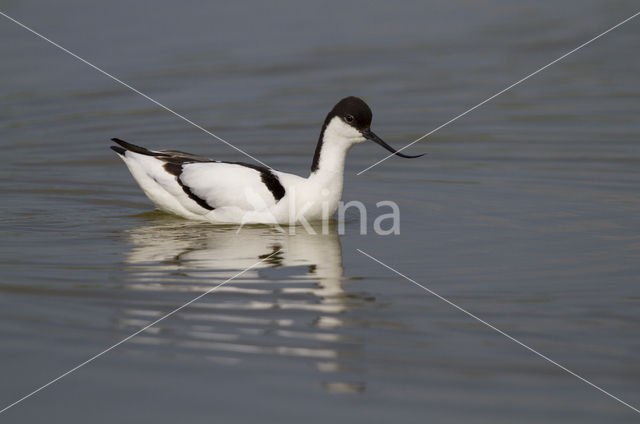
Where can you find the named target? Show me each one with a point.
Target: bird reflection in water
(292, 304)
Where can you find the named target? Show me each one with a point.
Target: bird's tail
(131, 147)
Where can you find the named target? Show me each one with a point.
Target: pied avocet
(200, 188)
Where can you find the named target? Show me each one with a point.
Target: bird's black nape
(354, 111)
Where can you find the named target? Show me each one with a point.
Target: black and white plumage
(200, 188)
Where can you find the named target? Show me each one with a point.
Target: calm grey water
(525, 212)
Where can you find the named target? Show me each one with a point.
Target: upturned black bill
(369, 135)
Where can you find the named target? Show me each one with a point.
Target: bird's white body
(237, 193)
(199, 188)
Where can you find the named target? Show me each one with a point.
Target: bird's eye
(349, 118)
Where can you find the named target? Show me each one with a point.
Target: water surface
(525, 212)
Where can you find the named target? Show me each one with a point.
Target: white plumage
(200, 188)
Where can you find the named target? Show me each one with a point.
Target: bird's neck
(329, 158)
(327, 170)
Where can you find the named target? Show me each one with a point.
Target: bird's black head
(349, 123)
(353, 111)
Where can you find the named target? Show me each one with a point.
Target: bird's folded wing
(223, 184)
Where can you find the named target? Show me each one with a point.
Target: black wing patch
(175, 159)
(176, 169)
(273, 184)
(268, 178)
